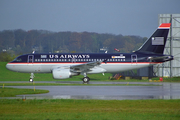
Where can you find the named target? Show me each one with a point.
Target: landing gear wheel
(31, 77)
(86, 79)
(30, 80)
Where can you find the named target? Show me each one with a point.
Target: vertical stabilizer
(157, 42)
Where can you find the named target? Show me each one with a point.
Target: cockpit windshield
(22, 58)
(18, 59)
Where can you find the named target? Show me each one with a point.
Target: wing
(63, 72)
(90, 67)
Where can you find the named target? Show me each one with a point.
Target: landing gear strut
(85, 79)
(31, 77)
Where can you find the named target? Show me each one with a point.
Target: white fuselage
(47, 67)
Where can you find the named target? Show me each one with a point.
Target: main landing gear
(85, 79)
(31, 77)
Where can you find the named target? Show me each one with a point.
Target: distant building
(4, 50)
(171, 68)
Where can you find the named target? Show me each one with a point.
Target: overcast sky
(126, 17)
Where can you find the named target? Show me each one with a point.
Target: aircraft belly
(41, 68)
(26, 68)
(20, 68)
(30, 68)
(122, 67)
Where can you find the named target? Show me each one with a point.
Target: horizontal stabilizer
(161, 59)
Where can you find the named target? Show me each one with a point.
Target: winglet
(165, 25)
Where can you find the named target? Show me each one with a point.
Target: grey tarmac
(162, 91)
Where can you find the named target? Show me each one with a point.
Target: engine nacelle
(59, 73)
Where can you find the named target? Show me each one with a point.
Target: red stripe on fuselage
(86, 62)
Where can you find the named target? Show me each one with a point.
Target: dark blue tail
(157, 42)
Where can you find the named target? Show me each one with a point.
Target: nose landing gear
(31, 77)
(85, 79)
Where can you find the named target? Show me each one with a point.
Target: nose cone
(10, 67)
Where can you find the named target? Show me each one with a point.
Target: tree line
(17, 42)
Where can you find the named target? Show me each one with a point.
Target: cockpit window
(17, 59)
(20, 59)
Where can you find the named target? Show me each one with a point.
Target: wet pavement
(160, 91)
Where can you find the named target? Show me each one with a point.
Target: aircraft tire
(86, 79)
(30, 80)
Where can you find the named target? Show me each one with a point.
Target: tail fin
(157, 42)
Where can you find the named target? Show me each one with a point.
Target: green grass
(90, 109)
(12, 92)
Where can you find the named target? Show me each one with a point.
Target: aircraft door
(134, 59)
(30, 58)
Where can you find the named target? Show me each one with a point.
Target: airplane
(66, 65)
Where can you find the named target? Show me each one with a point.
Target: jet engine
(59, 73)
